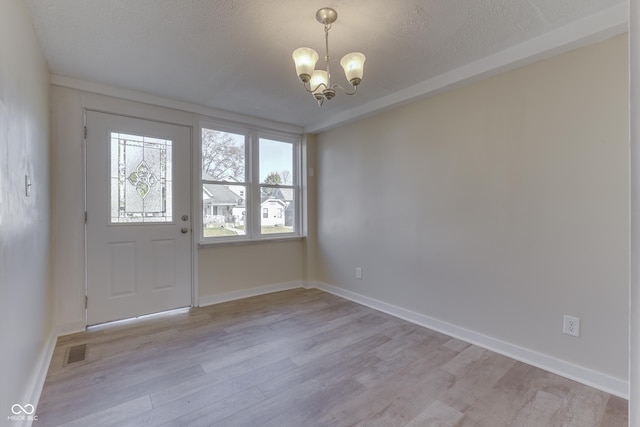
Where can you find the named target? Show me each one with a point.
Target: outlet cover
(571, 326)
(358, 273)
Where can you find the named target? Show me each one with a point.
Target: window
(141, 183)
(250, 184)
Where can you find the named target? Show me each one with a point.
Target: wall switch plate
(571, 326)
(358, 273)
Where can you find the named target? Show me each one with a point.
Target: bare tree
(221, 155)
(285, 177)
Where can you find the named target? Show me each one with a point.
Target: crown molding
(592, 29)
(145, 98)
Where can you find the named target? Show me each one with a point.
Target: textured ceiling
(235, 55)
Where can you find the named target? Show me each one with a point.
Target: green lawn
(274, 230)
(218, 231)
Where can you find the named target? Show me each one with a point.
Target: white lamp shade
(305, 59)
(353, 64)
(319, 81)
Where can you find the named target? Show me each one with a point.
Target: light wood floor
(303, 358)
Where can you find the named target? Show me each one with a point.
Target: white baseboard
(36, 382)
(598, 380)
(251, 292)
(71, 328)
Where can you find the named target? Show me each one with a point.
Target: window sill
(249, 241)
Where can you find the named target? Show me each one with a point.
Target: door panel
(122, 269)
(138, 224)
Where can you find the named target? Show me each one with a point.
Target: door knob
(184, 230)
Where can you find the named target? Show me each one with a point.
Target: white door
(138, 217)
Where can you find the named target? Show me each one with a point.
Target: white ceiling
(235, 55)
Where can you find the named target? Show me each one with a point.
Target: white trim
(592, 29)
(599, 380)
(36, 382)
(196, 214)
(251, 292)
(634, 214)
(145, 98)
(71, 328)
(229, 242)
(253, 185)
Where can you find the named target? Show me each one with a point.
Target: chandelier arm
(311, 90)
(346, 92)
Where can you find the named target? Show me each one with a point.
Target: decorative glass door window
(141, 184)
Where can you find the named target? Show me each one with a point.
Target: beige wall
(25, 299)
(221, 269)
(497, 207)
(232, 268)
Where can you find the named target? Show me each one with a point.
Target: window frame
(253, 186)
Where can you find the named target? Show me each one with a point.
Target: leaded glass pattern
(141, 185)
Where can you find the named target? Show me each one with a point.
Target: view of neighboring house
(224, 206)
(277, 208)
(272, 212)
(218, 204)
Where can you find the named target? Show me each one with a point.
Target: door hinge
(85, 132)
(86, 301)
(85, 216)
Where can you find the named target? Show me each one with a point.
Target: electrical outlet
(571, 326)
(358, 273)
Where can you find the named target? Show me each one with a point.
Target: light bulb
(353, 65)
(319, 82)
(305, 59)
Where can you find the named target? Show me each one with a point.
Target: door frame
(193, 208)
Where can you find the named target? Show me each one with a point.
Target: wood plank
(437, 415)
(303, 358)
(616, 413)
(115, 415)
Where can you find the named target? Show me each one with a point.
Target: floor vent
(75, 354)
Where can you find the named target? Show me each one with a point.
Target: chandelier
(318, 82)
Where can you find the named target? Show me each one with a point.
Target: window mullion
(297, 184)
(254, 182)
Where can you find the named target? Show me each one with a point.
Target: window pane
(278, 210)
(141, 181)
(276, 162)
(224, 210)
(222, 156)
